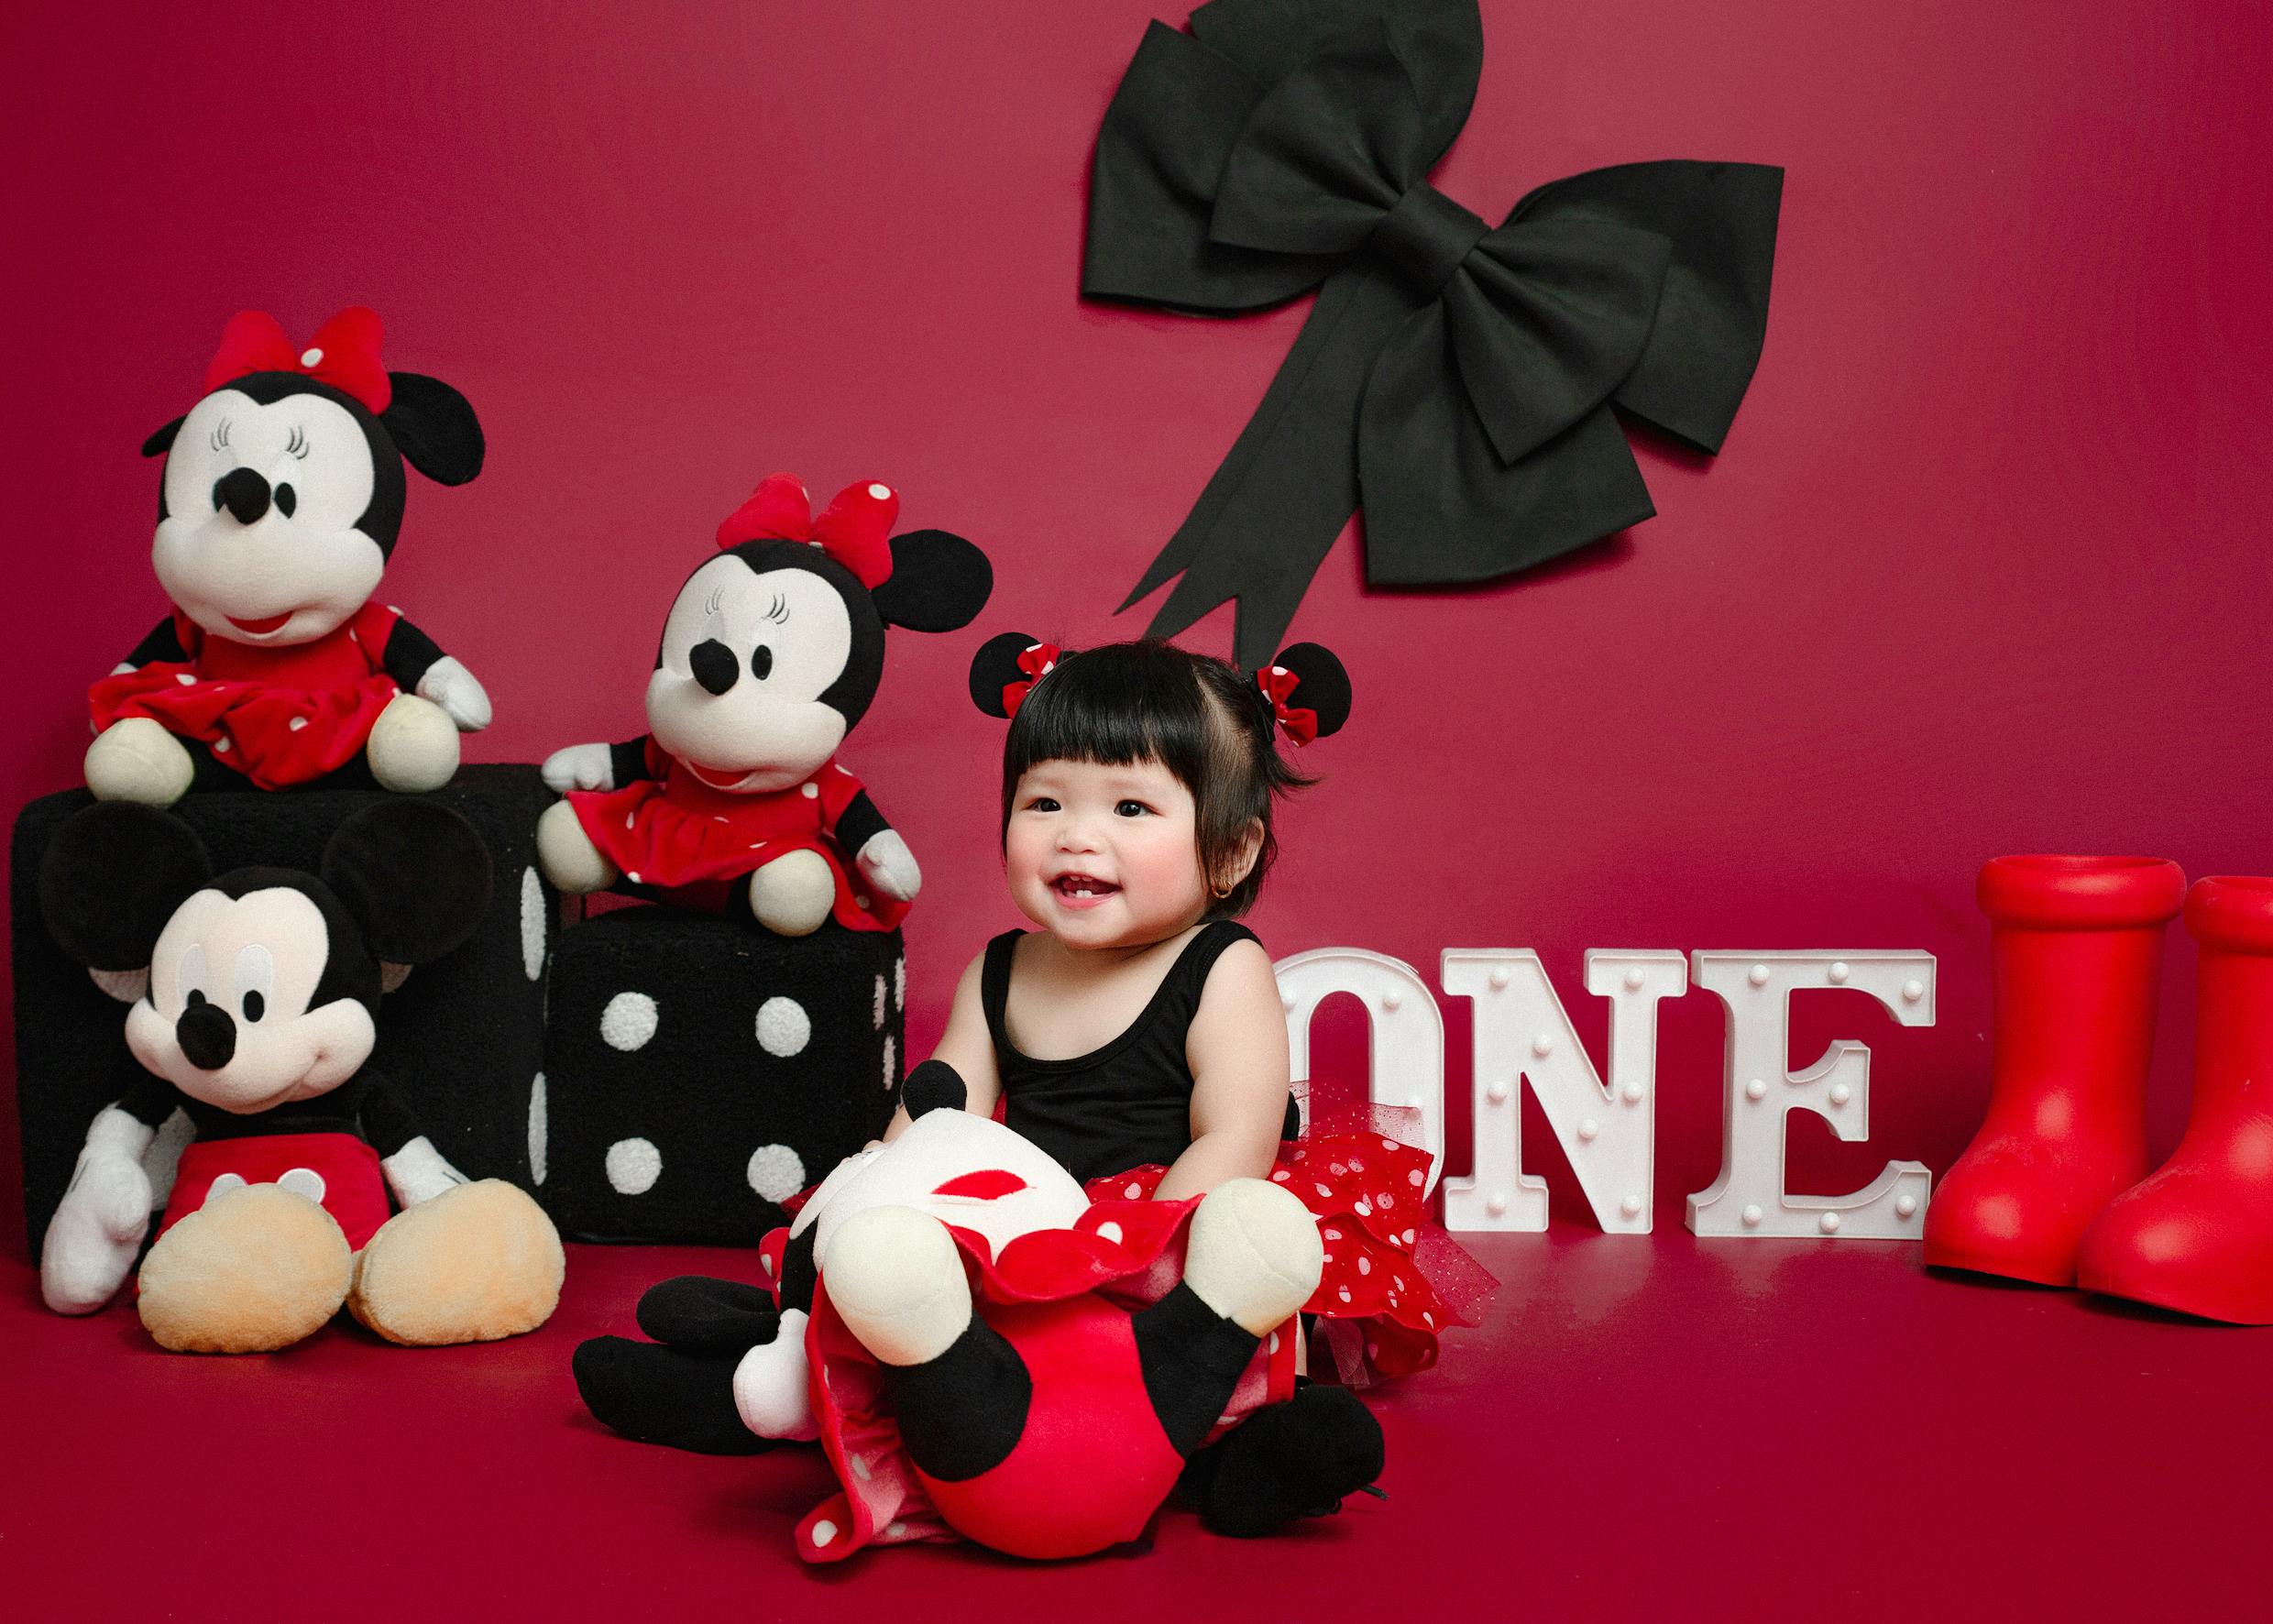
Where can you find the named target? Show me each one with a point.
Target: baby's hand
(890, 866)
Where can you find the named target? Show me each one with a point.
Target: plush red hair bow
(1037, 662)
(855, 529)
(1279, 684)
(343, 353)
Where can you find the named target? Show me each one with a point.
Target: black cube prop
(699, 1070)
(461, 1040)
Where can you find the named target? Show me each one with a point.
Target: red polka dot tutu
(1393, 1278)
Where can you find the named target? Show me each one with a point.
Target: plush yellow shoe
(792, 894)
(137, 759)
(414, 745)
(254, 1270)
(475, 1263)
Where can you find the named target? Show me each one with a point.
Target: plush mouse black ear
(995, 671)
(1320, 686)
(111, 877)
(934, 1086)
(434, 428)
(415, 876)
(939, 582)
(161, 443)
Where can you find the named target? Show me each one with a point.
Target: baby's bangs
(1113, 706)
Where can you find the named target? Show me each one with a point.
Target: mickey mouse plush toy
(253, 996)
(283, 497)
(770, 656)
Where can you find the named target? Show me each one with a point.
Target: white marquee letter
(1749, 1198)
(1406, 1030)
(1606, 1130)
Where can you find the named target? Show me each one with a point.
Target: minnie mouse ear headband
(927, 580)
(1305, 689)
(1006, 668)
(1308, 692)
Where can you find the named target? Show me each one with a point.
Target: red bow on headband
(343, 353)
(855, 529)
(1279, 684)
(1037, 662)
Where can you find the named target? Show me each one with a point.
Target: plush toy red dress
(691, 840)
(280, 716)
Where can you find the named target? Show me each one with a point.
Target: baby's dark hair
(1214, 730)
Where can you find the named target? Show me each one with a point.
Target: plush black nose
(244, 493)
(207, 1036)
(714, 664)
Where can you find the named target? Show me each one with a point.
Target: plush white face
(297, 568)
(254, 962)
(772, 644)
(967, 1170)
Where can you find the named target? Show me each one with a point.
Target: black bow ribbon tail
(1457, 382)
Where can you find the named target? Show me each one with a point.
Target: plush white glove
(419, 1172)
(890, 866)
(105, 1211)
(770, 1391)
(460, 693)
(579, 766)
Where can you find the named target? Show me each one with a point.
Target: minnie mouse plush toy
(284, 494)
(770, 656)
(984, 1349)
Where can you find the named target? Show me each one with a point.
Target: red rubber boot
(2076, 951)
(2199, 1235)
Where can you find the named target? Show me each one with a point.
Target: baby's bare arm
(966, 1046)
(1237, 1051)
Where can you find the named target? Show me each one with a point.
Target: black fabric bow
(1455, 379)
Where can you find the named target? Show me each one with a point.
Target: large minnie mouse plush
(984, 1351)
(283, 497)
(253, 997)
(734, 801)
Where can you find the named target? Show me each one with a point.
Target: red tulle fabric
(280, 716)
(1393, 1278)
(676, 833)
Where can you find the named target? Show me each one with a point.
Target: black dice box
(699, 1070)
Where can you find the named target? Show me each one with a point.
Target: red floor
(1646, 1429)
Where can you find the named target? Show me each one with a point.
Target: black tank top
(1129, 1102)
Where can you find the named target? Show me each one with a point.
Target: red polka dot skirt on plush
(282, 716)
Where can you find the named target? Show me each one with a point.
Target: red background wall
(1982, 569)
